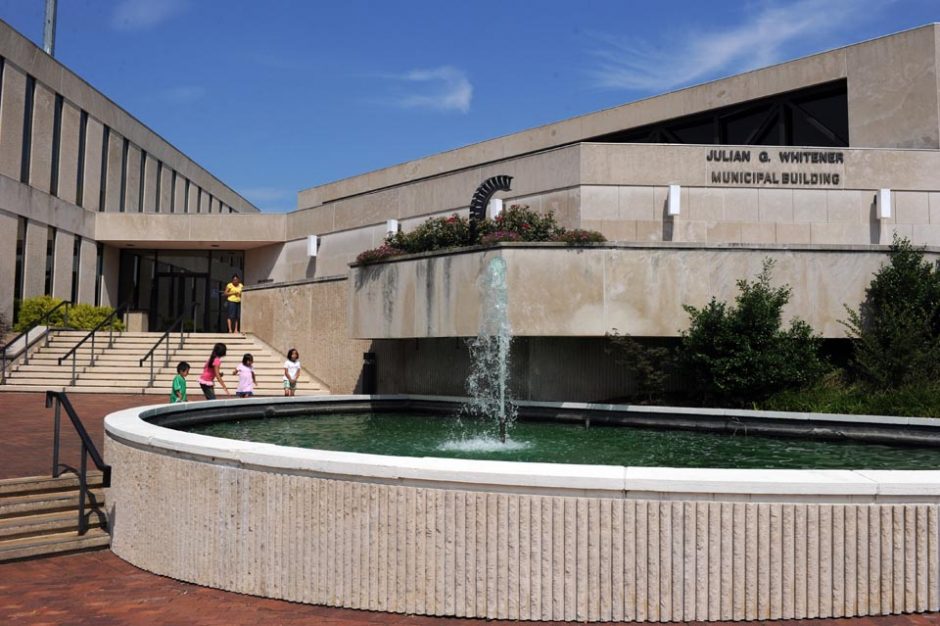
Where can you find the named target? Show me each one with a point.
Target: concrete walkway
(99, 588)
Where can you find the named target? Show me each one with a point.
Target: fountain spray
(488, 381)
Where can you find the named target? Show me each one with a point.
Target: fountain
(488, 381)
(347, 501)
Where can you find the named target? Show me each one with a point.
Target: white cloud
(438, 89)
(760, 41)
(142, 14)
(183, 94)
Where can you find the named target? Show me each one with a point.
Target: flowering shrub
(437, 233)
(377, 255)
(579, 236)
(517, 223)
(499, 235)
(520, 219)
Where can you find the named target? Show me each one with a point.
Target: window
(20, 264)
(103, 192)
(56, 145)
(80, 181)
(121, 202)
(99, 271)
(76, 262)
(50, 260)
(173, 192)
(813, 116)
(140, 192)
(27, 128)
(159, 185)
(186, 198)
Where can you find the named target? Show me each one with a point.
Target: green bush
(579, 236)
(737, 355)
(896, 330)
(32, 310)
(524, 222)
(87, 316)
(377, 255)
(835, 395)
(437, 233)
(80, 316)
(517, 223)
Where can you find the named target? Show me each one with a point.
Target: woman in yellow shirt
(233, 295)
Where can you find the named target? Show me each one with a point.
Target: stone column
(62, 276)
(87, 269)
(91, 181)
(150, 185)
(34, 267)
(68, 152)
(193, 198)
(8, 224)
(109, 277)
(132, 186)
(12, 102)
(112, 201)
(179, 195)
(40, 152)
(166, 189)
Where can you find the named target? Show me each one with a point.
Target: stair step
(19, 505)
(45, 484)
(44, 524)
(57, 543)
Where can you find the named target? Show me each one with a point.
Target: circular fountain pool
(527, 540)
(403, 434)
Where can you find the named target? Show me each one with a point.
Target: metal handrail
(91, 335)
(166, 335)
(88, 449)
(25, 334)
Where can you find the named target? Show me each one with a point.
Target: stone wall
(387, 546)
(312, 318)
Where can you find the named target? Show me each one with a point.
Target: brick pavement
(26, 429)
(99, 588)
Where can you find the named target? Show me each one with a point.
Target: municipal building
(815, 163)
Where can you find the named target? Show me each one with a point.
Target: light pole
(48, 31)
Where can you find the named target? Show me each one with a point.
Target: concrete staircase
(116, 369)
(39, 517)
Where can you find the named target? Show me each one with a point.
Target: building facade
(817, 163)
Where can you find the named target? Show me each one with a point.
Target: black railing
(166, 346)
(42, 321)
(108, 321)
(88, 449)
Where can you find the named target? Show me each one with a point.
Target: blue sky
(277, 96)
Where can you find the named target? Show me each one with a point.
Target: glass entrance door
(174, 294)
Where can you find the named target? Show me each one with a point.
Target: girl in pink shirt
(246, 377)
(212, 371)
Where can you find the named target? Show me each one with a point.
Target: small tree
(740, 354)
(648, 366)
(896, 330)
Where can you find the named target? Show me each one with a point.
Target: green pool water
(422, 435)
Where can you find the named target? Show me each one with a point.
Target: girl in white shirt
(291, 371)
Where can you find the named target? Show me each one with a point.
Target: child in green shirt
(178, 393)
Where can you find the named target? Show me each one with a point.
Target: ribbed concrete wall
(516, 556)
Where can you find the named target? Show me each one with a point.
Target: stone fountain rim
(130, 426)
